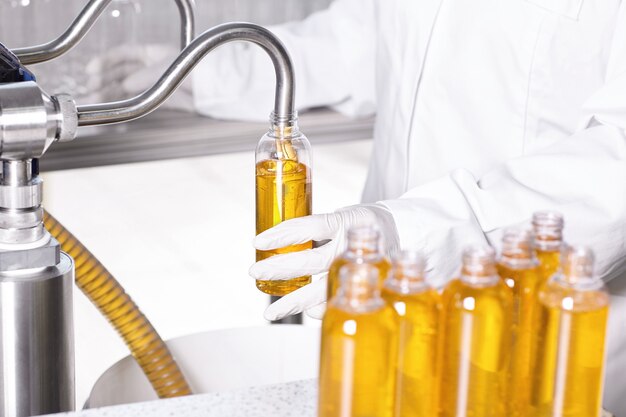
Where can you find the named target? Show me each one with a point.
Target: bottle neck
(548, 240)
(363, 249)
(359, 290)
(479, 280)
(283, 131)
(548, 231)
(517, 250)
(364, 242)
(578, 269)
(408, 276)
(284, 128)
(406, 284)
(479, 267)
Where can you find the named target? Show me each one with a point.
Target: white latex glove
(330, 227)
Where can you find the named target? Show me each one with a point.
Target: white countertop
(297, 399)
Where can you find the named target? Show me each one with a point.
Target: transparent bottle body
(357, 352)
(524, 280)
(417, 315)
(549, 262)
(476, 349)
(283, 192)
(569, 367)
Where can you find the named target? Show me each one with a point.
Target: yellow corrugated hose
(109, 297)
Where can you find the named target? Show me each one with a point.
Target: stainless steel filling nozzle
(57, 117)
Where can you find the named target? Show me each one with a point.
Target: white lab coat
(487, 110)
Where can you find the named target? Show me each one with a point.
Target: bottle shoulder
(291, 148)
(271, 141)
(507, 270)
(426, 303)
(555, 295)
(520, 277)
(382, 316)
(422, 296)
(459, 294)
(374, 258)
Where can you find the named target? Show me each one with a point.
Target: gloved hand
(330, 228)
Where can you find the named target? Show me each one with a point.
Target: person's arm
(583, 176)
(333, 54)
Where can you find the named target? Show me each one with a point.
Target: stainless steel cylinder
(37, 340)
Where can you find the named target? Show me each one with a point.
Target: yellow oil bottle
(417, 309)
(364, 246)
(573, 313)
(283, 192)
(358, 348)
(519, 270)
(548, 240)
(476, 348)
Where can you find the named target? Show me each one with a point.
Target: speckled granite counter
(294, 399)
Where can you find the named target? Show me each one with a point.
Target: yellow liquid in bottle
(570, 356)
(549, 263)
(356, 379)
(525, 284)
(380, 262)
(283, 192)
(476, 350)
(417, 321)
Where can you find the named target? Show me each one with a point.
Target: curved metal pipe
(83, 23)
(134, 108)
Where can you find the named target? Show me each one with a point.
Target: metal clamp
(83, 23)
(31, 120)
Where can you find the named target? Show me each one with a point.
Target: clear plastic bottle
(418, 313)
(364, 247)
(519, 269)
(358, 348)
(477, 310)
(283, 191)
(548, 231)
(573, 313)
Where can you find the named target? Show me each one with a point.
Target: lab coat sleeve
(583, 176)
(333, 55)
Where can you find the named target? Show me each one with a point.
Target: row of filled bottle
(520, 335)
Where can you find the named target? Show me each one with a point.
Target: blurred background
(167, 202)
(150, 26)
